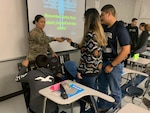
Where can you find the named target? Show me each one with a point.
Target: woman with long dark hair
(91, 51)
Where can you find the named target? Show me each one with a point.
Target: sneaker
(146, 102)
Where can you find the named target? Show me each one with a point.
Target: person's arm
(61, 76)
(40, 36)
(59, 39)
(22, 75)
(121, 56)
(73, 44)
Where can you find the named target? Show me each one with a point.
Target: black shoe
(146, 102)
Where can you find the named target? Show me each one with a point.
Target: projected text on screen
(61, 19)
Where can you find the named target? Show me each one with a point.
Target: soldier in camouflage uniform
(38, 41)
(38, 45)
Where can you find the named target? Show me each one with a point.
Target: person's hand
(54, 55)
(79, 75)
(59, 75)
(59, 39)
(108, 69)
(69, 40)
(25, 62)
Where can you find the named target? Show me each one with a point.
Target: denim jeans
(111, 80)
(89, 81)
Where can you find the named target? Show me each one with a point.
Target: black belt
(108, 59)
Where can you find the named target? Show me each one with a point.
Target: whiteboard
(14, 33)
(64, 18)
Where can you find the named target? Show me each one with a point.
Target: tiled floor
(13, 105)
(17, 104)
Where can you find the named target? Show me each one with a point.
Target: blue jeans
(111, 80)
(89, 81)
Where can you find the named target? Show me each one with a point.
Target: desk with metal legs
(55, 96)
(131, 71)
(140, 62)
(133, 90)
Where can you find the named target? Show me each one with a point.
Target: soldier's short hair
(109, 8)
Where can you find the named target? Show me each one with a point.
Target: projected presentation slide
(63, 18)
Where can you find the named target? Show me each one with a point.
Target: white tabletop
(140, 60)
(130, 71)
(55, 95)
(132, 108)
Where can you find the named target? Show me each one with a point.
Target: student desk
(139, 61)
(133, 90)
(132, 108)
(55, 96)
(130, 71)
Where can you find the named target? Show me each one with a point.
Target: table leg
(93, 103)
(71, 107)
(44, 105)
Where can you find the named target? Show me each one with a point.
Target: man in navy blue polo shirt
(114, 54)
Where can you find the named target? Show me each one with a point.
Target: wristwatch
(111, 65)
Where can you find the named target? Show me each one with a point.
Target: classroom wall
(90, 3)
(13, 41)
(138, 11)
(13, 26)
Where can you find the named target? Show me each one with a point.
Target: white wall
(90, 4)
(138, 10)
(14, 32)
(13, 24)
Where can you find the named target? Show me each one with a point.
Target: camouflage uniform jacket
(38, 43)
